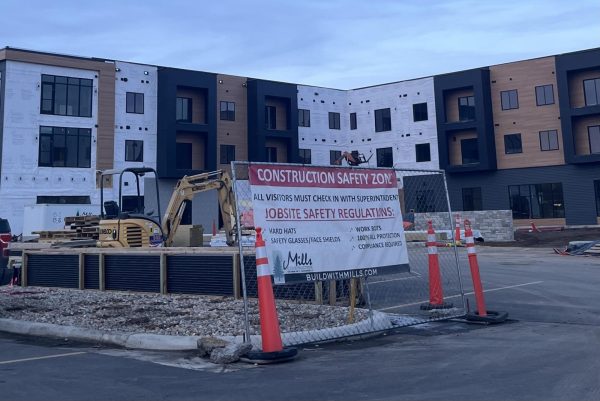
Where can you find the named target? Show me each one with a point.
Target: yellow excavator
(137, 229)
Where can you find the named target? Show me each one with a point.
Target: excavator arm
(187, 188)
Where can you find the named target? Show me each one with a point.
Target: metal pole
(241, 249)
(369, 303)
(460, 284)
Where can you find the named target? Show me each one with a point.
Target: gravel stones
(182, 315)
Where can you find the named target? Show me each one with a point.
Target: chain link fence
(349, 306)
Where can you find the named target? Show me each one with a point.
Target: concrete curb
(128, 340)
(158, 342)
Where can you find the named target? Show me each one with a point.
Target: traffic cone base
(263, 358)
(491, 317)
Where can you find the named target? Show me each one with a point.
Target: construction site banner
(328, 223)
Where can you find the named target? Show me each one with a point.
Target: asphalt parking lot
(549, 350)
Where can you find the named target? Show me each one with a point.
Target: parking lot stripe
(466, 293)
(40, 357)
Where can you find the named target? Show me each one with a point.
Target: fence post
(24, 268)
(81, 271)
(332, 292)
(319, 292)
(236, 276)
(101, 275)
(163, 273)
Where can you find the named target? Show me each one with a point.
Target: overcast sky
(333, 43)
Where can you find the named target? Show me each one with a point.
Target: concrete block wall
(495, 225)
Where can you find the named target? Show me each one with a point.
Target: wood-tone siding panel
(198, 97)
(232, 132)
(576, 93)
(281, 145)
(198, 142)
(580, 133)
(529, 119)
(281, 107)
(106, 95)
(451, 103)
(454, 149)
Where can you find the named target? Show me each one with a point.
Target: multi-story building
(523, 136)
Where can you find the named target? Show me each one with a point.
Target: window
(135, 103)
(303, 118)
(591, 89)
(183, 110)
(512, 144)
(271, 154)
(134, 151)
(335, 157)
(227, 154)
(594, 138)
(469, 151)
(420, 112)
(184, 156)
(270, 117)
(63, 200)
(549, 140)
(228, 111)
(65, 147)
(334, 120)
(537, 201)
(66, 96)
(305, 156)
(597, 191)
(544, 95)
(466, 108)
(385, 157)
(425, 201)
(132, 203)
(352, 121)
(423, 152)
(472, 199)
(383, 120)
(510, 99)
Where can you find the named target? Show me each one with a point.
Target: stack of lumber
(76, 228)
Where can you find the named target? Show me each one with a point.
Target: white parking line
(40, 357)
(466, 293)
(413, 275)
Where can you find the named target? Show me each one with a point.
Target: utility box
(48, 217)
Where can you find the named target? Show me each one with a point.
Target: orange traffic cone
(436, 295)
(272, 345)
(457, 230)
(482, 314)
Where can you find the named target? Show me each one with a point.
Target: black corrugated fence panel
(132, 272)
(53, 270)
(200, 274)
(300, 291)
(91, 275)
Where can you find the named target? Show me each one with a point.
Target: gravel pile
(186, 315)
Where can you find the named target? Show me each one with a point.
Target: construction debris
(578, 248)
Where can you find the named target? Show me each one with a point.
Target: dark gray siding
(2, 97)
(577, 183)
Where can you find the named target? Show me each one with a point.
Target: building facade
(523, 136)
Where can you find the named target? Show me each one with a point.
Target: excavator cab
(133, 227)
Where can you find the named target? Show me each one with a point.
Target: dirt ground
(549, 239)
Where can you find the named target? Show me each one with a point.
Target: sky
(341, 44)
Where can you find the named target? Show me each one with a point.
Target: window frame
(188, 118)
(136, 96)
(271, 151)
(134, 142)
(226, 153)
(421, 112)
(334, 156)
(48, 83)
(422, 145)
(83, 143)
(473, 191)
(507, 140)
(303, 118)
(303, 154)
(544, 93)
(535, 193)
(229, 113)
(462, 154)
(548, 132)
(381, 158)
(509, 105)
(353, 121)
(596, 141)
(596, 86)
(270, 117)
(383, 120)
(334, 120)
(466, 112)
